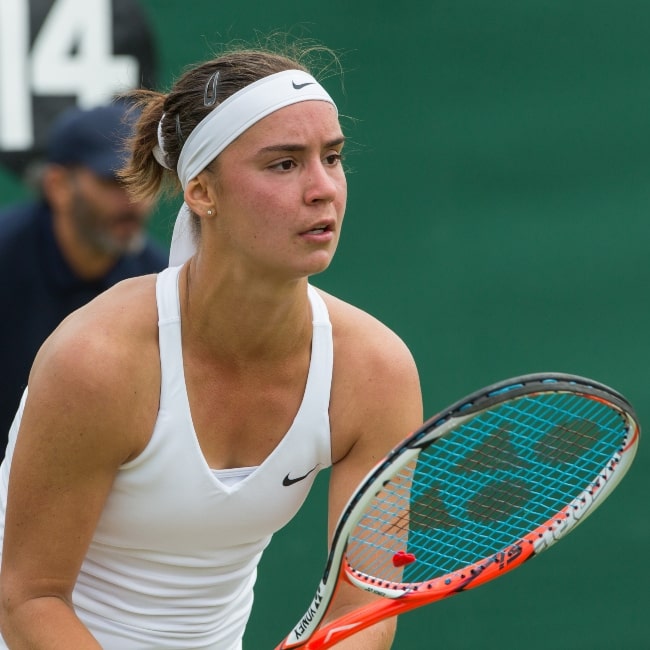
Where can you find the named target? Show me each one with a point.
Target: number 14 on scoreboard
(72, 56)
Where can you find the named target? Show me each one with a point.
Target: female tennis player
(171, 426)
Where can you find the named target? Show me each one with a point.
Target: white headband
(222, 126)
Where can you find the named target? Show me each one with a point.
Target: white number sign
(72, 55)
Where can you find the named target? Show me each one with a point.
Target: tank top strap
(319, 381)
(167, 295)
(169, 333)
(319, 311)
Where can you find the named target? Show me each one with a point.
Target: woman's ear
(198, 196)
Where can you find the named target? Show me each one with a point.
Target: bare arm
(376, 403)
(69, 447)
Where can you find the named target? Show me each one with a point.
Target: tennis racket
(478, 490)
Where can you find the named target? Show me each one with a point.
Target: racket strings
(484, 485)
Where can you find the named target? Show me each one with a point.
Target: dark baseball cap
(94, 138)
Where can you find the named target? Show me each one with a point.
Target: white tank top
(174, 557)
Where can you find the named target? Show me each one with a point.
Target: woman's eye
(333, 158)
(284, 165)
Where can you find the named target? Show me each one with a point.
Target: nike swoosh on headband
(299, 86)
(286, 481)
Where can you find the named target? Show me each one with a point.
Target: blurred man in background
(82, 235)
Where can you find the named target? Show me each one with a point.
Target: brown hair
(184, 106)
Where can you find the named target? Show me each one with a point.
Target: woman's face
(280, 193)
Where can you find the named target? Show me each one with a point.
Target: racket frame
(402, 598)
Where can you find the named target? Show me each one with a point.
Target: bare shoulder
(370, 347)
(376, 382)
(101, 363)
(108, 332)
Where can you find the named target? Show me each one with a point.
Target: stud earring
(209, 213)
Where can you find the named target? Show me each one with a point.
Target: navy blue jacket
(38, 290)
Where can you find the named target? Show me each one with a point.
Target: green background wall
(498, 220)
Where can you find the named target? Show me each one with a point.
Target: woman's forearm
(46, 623)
